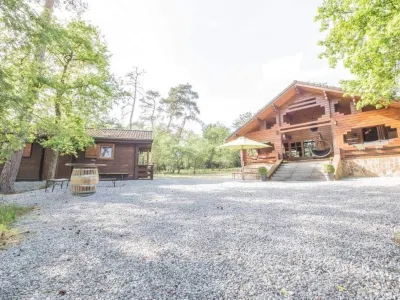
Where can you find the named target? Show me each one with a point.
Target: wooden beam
(329, 103)
(289, 129)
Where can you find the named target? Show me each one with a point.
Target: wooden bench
(109, 179)
(113, 174)
(54, 182)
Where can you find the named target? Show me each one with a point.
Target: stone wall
(371, 167)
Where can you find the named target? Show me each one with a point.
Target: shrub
(8, 214)
(328, 168)
(262, 171)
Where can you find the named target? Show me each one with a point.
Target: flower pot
(263, 177)
(329, 176)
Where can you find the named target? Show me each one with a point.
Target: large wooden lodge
(360, 142)
(125, 152)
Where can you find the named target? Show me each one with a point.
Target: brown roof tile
(121, 134)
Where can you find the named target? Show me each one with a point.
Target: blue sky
(237, 54)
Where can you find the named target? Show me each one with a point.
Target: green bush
(329, 169)
(262, 171)
(8, 214)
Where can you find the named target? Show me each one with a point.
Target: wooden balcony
(144, 172)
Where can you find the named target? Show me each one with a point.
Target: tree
(365, 35)
(22, 33)
(215, 135)
(134, 90)
(241, 120)
(196, 151)
(181, 106)
(148, 105)
(77, 89)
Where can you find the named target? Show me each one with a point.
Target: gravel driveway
(209, 239)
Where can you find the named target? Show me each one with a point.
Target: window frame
(112, 151)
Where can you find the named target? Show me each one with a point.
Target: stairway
(300, 171)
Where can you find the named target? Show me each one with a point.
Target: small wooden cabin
(361, 142)
(125, 152)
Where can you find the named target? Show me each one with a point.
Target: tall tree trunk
(152, 115)
(9, 173)
(181, 128)
(52, 173)
(169, 122)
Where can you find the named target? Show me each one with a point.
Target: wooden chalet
(126, 153)
(309, 121)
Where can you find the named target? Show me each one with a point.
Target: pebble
(210, 239)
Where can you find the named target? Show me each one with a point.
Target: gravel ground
(23, 186)
(209, 239)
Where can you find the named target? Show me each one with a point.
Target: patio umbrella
(243, 143)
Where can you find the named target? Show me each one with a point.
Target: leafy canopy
(241, 120)
(77, 88)
(365, 35)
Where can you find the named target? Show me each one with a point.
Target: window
(106, 151)
(370, 134)
(27, 151)
(343, 106)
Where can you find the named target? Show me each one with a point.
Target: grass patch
(8, 214)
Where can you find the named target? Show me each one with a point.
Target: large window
(370, 134)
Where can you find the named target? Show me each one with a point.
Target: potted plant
(263, 173)
(329, 171)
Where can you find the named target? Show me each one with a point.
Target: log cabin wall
(389, 117)
(29, 169)
(125, 145)
(335, 117)
(304, 109)
(122, 162)
(271, 135)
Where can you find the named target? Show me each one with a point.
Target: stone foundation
(371, 167)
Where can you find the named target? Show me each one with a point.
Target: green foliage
(8, 214)
(328, 168)
(180, 106)
(148, 105)
(172, 152)
(365, 35)
(22, 31)
(215, 135)
(77, 87)
(241, 120)
(262, 171)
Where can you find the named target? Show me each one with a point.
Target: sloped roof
(121, 134)
(318, 86)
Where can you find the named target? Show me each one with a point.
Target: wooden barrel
(84, 181)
